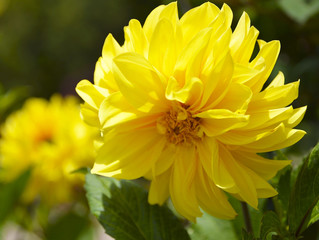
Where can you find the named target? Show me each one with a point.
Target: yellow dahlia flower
(183, 103)
(51, 138)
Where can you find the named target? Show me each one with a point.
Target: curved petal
(90, 115)
(243, 181)
(190, 94)
(182, 185)
(163, 56)
(128, 155)
(212, 199)
(169, 12)
(236, 99)
(159, 189)
(111, 48)
(295, 117)
(266, 168)
(135, 39)
(243, 40)
(266, 118)
(280, 137)
(218, 121)
(268, 54)
(275, 97)
(189, 62)
(197, 19)
(165, 160)
(207, 151)
(115, 110)
(139, 82)
(103, 76)
(91, 94)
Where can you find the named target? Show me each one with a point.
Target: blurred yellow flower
(183, 104)
(50, 137)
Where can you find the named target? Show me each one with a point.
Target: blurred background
(47, 47)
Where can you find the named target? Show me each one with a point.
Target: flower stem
(247, 219)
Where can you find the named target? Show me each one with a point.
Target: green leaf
(314, 215)
(270, 226)
(211, 228)
(299, 10)
(123, 210)
(305, 194)
(281, 201)
(10, 193)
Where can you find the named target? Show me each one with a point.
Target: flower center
(179, 126)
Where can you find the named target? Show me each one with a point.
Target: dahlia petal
(103, 76)
(218, 121)
(208, 151)
(159, 189)
(278, 81)
(266, 168)
(89, 115)
(135, 39)
(92, 94)
(268, 53)
(196, 19)
(111, 48)
(237, 137)
(296, 117)
(217, 83)
(189, 94)
(240, 32)
(266, 118)
(243, 54)
(263, 188)
(182, 184)
(165, 160)
(243, 74)
(188, 64)
(221, 175)
(243, 40)
(163, 56)
(169, 12)
(243, 182)
(135, 76)
(280, 137)
(222, 22)
(275, 97)
(236, 99)
(292, 136)
(215, 52)
(115, 110)
(211, 199)
(130, 155)
(142, 121)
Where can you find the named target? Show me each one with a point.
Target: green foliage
(123, 210)
(305, 195)
(10, 193)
